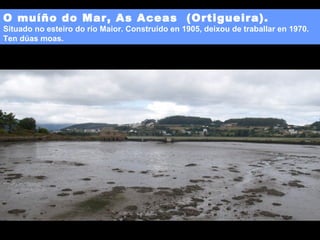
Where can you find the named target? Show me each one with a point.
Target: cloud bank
(127, 96)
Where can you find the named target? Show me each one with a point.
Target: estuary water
(234, 181)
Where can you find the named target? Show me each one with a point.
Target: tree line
(10, 124)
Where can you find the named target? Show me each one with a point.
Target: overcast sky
(129, 96)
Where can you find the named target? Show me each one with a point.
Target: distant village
(197, 126)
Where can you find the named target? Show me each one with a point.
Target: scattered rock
(192, 188)
(12, 176)
(144, 172)
(251, 201)
(177, 191)
(296, 173)
(78, 193)
(239, 197)
(16, 211)
(197, 199)
(295, 183)
(86, 179)
(191, 165)
(163, 215)
(131, 208)
(268, 214)
(316, 170)
(167, 206)
(217, 177)
(231, 169)
(191, 212)
(238, 179)
(264, 189)
(285, 217)
(196, 180)
(118, 189)
(52, 205)
(158, 175)
(274, 192)
(63, 194)
(276, 204)
(163, 192)
(79, 164)
(66, 190)
(143, 189)
(110, 182)
(190, 204)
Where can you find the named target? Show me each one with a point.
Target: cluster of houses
(152, 128)
(222, 130)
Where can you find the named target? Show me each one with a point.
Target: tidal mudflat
(156, 181)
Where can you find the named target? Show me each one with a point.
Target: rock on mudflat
(191, 165)
(16, 211)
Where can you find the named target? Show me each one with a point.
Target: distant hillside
(258, 122)
(89, 126)
(53, 127)
(184, 120)
(316, 125)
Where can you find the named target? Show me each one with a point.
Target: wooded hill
(241, 122)
(88, 126)
(257, 122)
(183, 120)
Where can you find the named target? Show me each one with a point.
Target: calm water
(32, 174)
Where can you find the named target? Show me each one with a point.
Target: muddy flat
(150, 181)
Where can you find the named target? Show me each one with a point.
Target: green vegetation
(8, 122)
(183, 120)
(257, 122)
(43, 130)
(94, 204)
(316, 125)
(28, 124)
(87, 126)
(9, 125)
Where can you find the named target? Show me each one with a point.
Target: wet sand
(262, 182)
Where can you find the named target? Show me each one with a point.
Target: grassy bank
(311, 141)
(57, 137)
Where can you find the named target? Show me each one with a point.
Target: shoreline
(280, 140)
(266, 140)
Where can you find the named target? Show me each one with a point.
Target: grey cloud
(289, 93)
